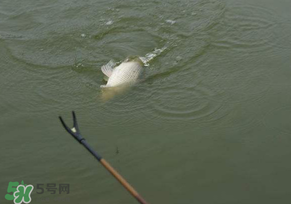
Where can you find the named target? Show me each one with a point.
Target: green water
(209, 124)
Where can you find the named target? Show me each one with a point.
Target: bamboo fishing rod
(75, 132)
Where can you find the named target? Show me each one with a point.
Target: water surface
(209, 124)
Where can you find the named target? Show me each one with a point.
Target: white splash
(171, 22)
(151, 55)
(109, 22)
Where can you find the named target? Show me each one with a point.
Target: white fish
(127, 73)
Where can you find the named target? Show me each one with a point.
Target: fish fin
(107, 69)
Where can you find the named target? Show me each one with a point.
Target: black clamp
(75, 131)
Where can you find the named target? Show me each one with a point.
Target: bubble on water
(178, 58)
(83, 35)
(170, 21)
(109, 22)
(79, 65)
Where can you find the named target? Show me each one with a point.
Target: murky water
(210, 122)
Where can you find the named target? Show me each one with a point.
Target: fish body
(127, 73)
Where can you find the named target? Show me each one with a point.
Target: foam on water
(151, 55)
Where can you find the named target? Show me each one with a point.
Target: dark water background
(210, 124)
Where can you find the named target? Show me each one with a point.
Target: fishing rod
(75, 132)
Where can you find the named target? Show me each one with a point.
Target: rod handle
(123, 182)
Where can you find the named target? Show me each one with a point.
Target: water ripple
(185, 97)
(279, 119)
(247, 28)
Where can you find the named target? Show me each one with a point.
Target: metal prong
(65, 126)
(75, 132)
(75, 122)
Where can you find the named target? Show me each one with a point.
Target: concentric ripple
(184, 83)
(185, 96)
(279, 119)
(248, 28)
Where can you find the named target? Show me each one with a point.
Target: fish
(109, 93)
(126, 74)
